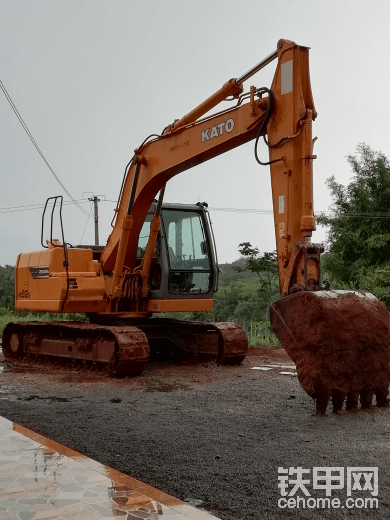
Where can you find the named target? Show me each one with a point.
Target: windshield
(188, 252)
(187, 244)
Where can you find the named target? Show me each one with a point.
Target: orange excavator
(161, 257)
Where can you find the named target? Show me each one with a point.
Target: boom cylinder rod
(230, 88)
(233, 87)
(263, 63)
(160, 201)
(133, 186)
(127, 225)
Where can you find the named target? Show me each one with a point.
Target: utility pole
(95, 201)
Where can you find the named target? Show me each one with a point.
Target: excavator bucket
(340, 343)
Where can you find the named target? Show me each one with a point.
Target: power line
(36, 146)
(13, 209)
(378, 214)
(241, 210)
(40, 205)
(368, 214)
(90, 213)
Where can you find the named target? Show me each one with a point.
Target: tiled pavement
(42, 479)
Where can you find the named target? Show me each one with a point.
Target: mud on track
(217, 434)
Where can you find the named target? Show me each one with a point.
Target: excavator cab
(184, 261)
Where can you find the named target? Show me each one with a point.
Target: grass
(256, 341)
(260, 333)
(8, 316)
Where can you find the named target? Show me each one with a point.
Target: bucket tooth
(381, 398)
(366, 398)
(322, 403)
(352, 401)
(338, 401)
(340, 343)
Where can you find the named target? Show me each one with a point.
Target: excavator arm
(284, 114)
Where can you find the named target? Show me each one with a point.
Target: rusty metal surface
(120, 350)
(223, 342)
(233, 343)
(340, 343)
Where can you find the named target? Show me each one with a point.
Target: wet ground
(215, 434)
(42, 479)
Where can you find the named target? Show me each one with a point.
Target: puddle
(167, 387)
(290, 367)
(85, 378)
(24, 370)
(5, 388)
(4, 367)
(44, 398)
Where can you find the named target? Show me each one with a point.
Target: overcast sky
(93, 78)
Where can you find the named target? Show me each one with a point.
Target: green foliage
(264, 267)
(358, 234)
(240, 301)
(7, 286)
(376, 279)
(235, 272)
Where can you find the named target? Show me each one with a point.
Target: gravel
(216, 435)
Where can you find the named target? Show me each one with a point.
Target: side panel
(41, 282)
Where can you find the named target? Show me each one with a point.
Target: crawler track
(121, 350)
(225, 343)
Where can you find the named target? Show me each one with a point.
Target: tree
(7, 286)
(264, 267)
(358, 240)
(239, 301)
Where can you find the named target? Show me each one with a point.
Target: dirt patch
(159, 376)
(272, 352)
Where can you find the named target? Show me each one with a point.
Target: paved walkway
(42, 479)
